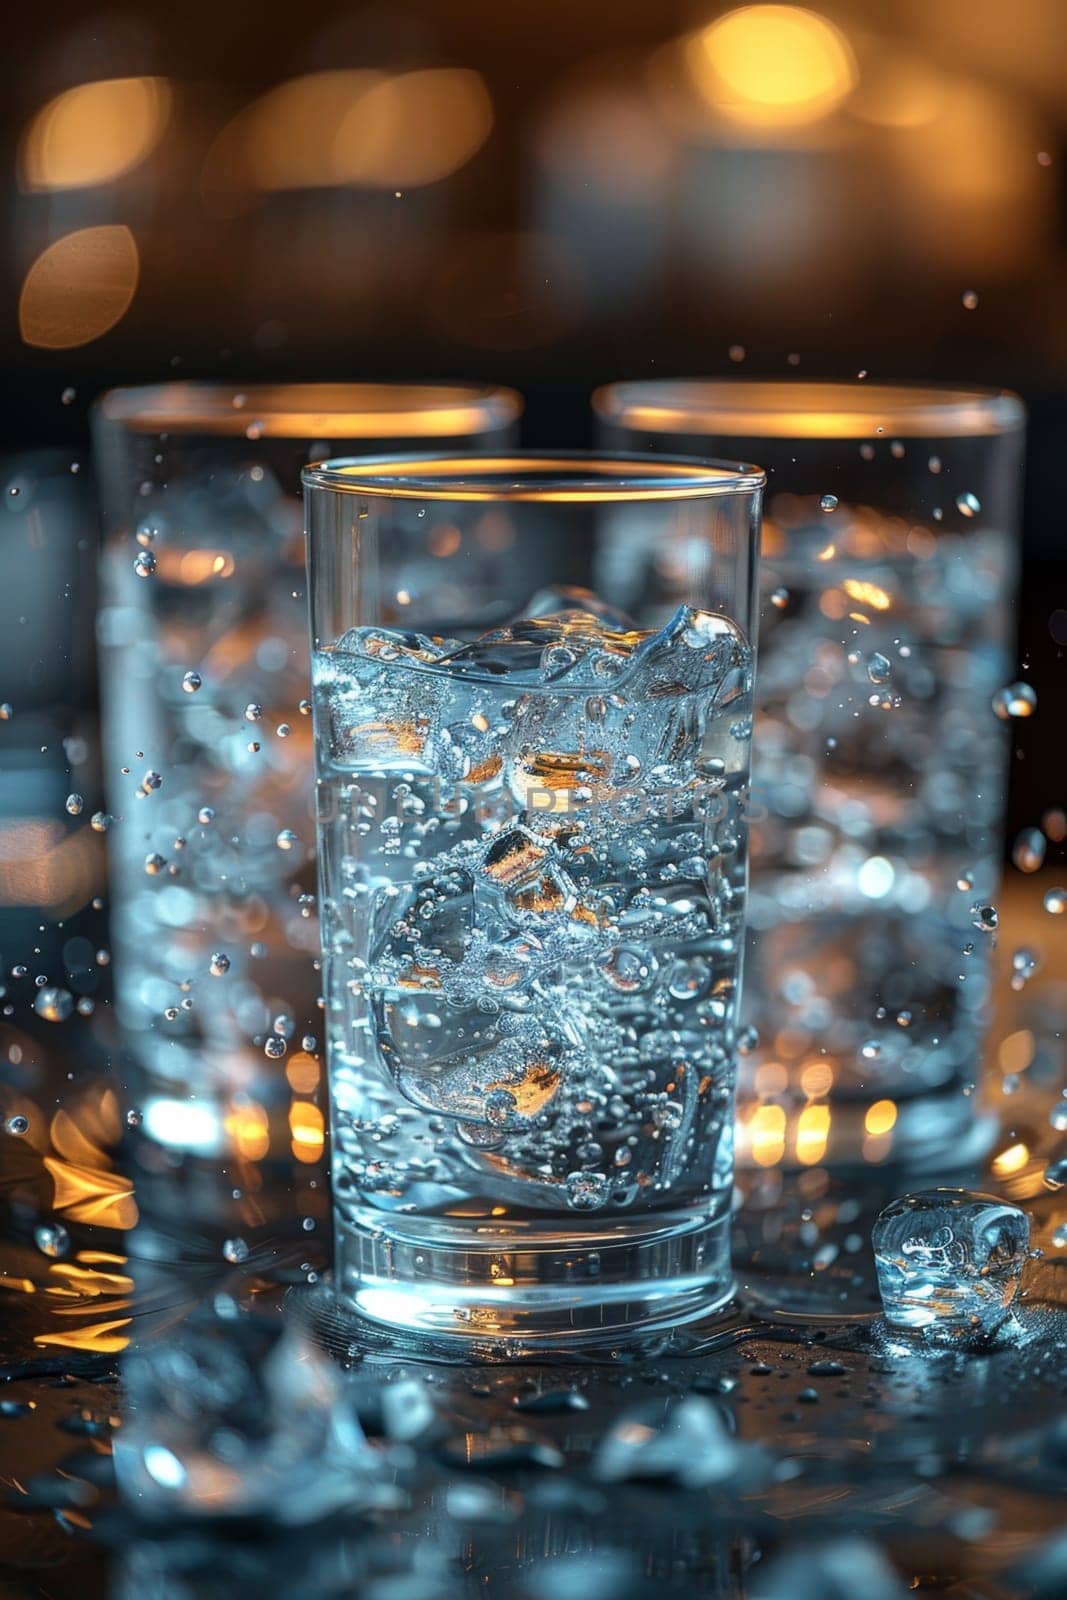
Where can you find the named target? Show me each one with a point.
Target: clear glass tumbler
(206, 686)
(888, 579)
(532, 869)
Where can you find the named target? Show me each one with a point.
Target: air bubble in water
(587, 1191)
(75, 804)
(54, 1005)
(205, 815)
(235, 1251)
(191, 682)
(52, 1239)
(287, 839)
(284, 730)
(253, 712)
(1024, 963)
(101, 821)
(309, 1043)
(968, 505)
(1016, 700)
(144, 564)
(1055, 902)
(879, 667)
(828, 502)
(275, 1047)
(154, 863)
(984, 917)
(219, 964)
(17, 1125)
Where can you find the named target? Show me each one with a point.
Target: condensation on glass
(888, 577)
(532, 791)
(206, 702)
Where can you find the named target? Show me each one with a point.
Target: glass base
(535, 1287)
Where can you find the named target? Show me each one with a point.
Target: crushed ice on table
(836, 1569)
(688, 1445)
(231, 1417)
(949, 1263)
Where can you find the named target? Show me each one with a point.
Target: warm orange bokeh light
(308, 1129)
(766, 1135)
(772, 66)
(79, 287)
(94, 133)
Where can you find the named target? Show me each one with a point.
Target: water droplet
(133, 1118)
(253, 712)
(1055, 902)
(152, 781)
(284, 730)
(871, 1050)
(304, 708)
(219, 964)
(879, 667)
(828, 502)
(1059, 1236)
(52, 1239)
(191, 682)
(287, 839)
(205, 815)
(780, 598)
(737, 353)
(309, 1044)
(984, 917)
(1024, 963)
(1055, 1173)
(17, 1125)
(275, 1047)
(970, 299)
(235, 1251)
(144, 564)
(1017, 700)
(154, 863)
(53, 1004)
(75, 804)
(68, 396)
(1028, 851)
(968, 505)
(7, 711)
(965, 881)
(934, 464)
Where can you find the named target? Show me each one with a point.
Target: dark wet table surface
(184, 1411)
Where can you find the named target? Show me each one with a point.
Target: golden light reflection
(813, 1131)
(880, 1118)
(766, 1133)
(193, 567)
(303, 1072)
(308, 1128)
(248, 1129)
(868, 594)
(94, 133)
(90, 1195)
(103, 1338)
(1013, 1159)
(772, 66)
(1016, 1051)
(353, 128)
(79, 287)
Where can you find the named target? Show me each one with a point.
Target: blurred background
(547, 195)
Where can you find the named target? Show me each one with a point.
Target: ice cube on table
(949, 1263)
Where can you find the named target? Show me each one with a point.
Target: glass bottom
(536, 1286)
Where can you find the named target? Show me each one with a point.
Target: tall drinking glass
(532, 866)
(206, 690)
(888, 579)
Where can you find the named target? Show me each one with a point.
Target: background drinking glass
(204, 659)
(888, 575)
(532, 860)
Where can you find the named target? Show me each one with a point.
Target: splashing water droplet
(253, 712)
(1016, 700)
(968, 505)
(970, 299)
(984, 917)
(780, 599)
(205, 815)
(828, 502)
(287, 839)
(1055, 902)
(17, 1125)
(144, 564)
(75, 804)
(879, 667)
(191, 682)
(235, 1251)
(275, 1047)
(219, 964)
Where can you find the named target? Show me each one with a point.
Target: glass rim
(312, 410)
(778, 408)
(559, 477)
